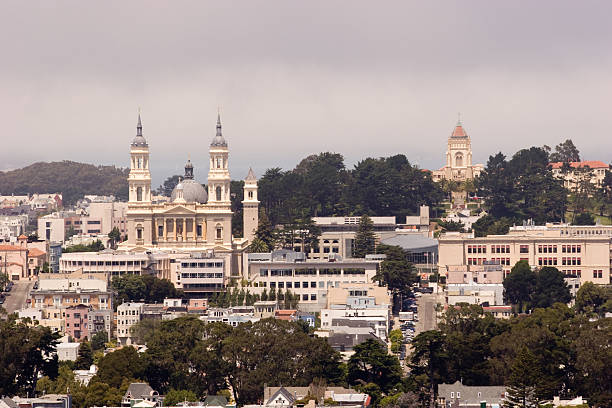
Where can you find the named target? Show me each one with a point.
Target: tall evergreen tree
(365, 240)
(522, 384)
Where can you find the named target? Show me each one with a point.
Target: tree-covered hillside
(70, 178)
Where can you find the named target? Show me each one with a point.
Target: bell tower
(218, 175)
(139, 180)
(250, 206)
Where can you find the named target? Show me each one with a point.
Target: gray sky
(295, 78)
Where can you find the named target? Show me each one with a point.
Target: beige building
(195, 220)
(109, 263)
(62, 293)
(459, 165)
(22, 260)
(593, 171)
(585, 256)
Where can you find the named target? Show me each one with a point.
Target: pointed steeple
(139, 140)
(218, 139)
(459, 131)
(251, 175)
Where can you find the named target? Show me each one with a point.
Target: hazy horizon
(293, 79)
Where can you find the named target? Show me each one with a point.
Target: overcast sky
(294, 78)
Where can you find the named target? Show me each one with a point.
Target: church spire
(219, 140)
(139, 126)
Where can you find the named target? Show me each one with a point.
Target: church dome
(191, 190)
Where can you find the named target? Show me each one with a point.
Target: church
(459, 165)
(194, 220)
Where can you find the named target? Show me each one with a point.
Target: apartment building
(62, 293)
(592, 171)
(586, 256)
(23, 259)
(199, 274)
(128, 314)
(287, 270)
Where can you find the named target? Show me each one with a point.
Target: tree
(372, 364)
(25, 356)
(519, 285)
(396, 271)
(166, 188)
(428, 362)
(365, 240)
(584, 219)
(115, 236)
(173, 397)
(448, 226)
(85, 357)
(99, 340)
(550, 288)
(258, 246)
(594, 299)
(124, 363)
(522, 385)
(565, 152)
(264, 234)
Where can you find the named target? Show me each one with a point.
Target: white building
(117, 263)
(67, 351)
(128, 314)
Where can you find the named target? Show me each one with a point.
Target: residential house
(457, 394)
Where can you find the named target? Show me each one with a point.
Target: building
(111, 215)
(457, 394)
(67, 351)
(291, 396)
(45, 401)
(574, 173)
(459, 165)
(309, 278)
(77, 324)
(22, 260)
(586, 256)
(195, 220)
(64, 292)
(109, 263)
(141, 392)
(338, 233)
(12, 226)
(128, 314)
(200, 274)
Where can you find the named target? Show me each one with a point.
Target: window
(139, 194)
(458, 394)
(160, 230)
(296, 285)
(304, 297)
(139, 233)
(313, 284)
(452, 394)
(250, 194)
(218, 193)
(199, 230)
(219, 232)
(524, 249)
(313, 297)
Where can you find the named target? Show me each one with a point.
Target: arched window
(459, 160)
(139, 194)
(139, 163)
(218, 162)
(219, 232)
(218, 193)
(250, 194)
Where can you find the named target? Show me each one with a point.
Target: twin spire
(218, 140)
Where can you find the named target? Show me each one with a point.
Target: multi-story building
(586, 256)
(77, 322)
(459, 165)
(12, 226)
(62, 293)
(128, 314)
(574, 173)
(338, 233)
(111, 263)
(22, 260)
(287, 270)
(358, 305)
(200, 275)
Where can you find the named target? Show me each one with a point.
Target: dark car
(2, 297)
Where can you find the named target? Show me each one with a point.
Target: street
(16, 298)
(427, 312)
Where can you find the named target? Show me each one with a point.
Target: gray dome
(139, 141)
(193, 192)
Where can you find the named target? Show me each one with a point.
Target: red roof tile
(10, 248)
(459, 131)
(593, 164)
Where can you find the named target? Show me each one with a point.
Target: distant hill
(70, 178)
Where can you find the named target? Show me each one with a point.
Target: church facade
(195, 220)
(459, 165)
